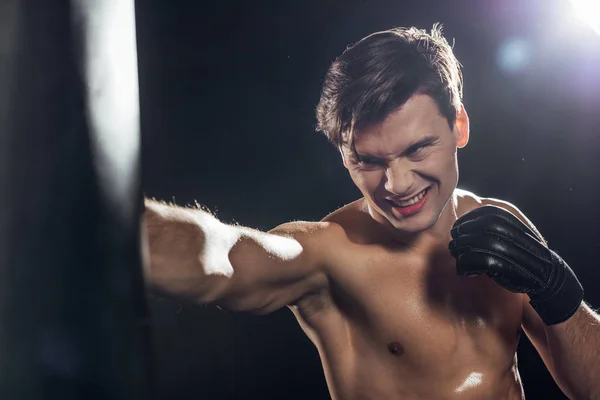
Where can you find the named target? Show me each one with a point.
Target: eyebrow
(424, 141)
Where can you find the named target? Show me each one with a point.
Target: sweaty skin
(373, 286)
(398, 323)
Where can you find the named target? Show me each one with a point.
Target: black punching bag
(73, 321)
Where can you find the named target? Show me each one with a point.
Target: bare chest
(420, 311)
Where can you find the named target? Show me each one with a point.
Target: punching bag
(73, 315)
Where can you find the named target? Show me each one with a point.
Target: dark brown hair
(379, 73)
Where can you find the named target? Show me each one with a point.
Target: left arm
(570, 350)
(498, 240)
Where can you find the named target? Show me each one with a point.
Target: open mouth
(410, 202)
(411, 206)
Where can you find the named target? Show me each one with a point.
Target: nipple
(395, 348)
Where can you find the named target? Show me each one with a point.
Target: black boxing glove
(490, 240)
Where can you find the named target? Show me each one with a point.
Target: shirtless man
(418, 290)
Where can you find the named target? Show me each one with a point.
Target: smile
(411, 201)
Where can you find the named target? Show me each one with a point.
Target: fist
(490, 240)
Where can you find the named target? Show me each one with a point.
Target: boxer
(417, 290)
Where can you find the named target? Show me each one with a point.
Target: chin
(415, 224)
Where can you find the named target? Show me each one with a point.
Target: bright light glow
(220, 238)
(514, 55)
(589, 12)
(473, 380)
(112, 96)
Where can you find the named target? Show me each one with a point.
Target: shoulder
(310, 234)
(468, 201)
(350, 224)
(357, 224)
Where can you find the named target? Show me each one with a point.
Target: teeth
(412, 201)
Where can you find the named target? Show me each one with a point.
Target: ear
(343, 156)
(461, 128)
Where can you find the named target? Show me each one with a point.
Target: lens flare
(589, 12)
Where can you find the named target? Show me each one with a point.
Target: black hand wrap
(490, 240)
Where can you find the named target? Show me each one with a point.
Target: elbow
(212, 289)
(187, 282)
(581, 395)
(579, 391)
(592, 393)
(217, 274)
(251, 303)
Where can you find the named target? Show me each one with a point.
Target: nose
(399, 178)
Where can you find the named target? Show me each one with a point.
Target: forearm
(575, 350)
(176, 244)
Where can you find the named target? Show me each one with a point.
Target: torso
(395, 324)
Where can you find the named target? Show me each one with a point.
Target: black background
(228, 93)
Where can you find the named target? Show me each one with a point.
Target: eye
(416, 149)
(368, 162)
(419, 149)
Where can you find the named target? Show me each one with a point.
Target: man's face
(407, 167)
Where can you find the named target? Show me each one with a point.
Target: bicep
(272, 270)
(534, 328)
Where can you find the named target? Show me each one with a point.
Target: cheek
(442, 162)
(367, 181)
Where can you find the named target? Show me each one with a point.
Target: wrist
(563, 296)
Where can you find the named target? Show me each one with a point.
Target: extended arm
(194, 255)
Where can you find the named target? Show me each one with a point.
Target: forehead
(416, 118)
